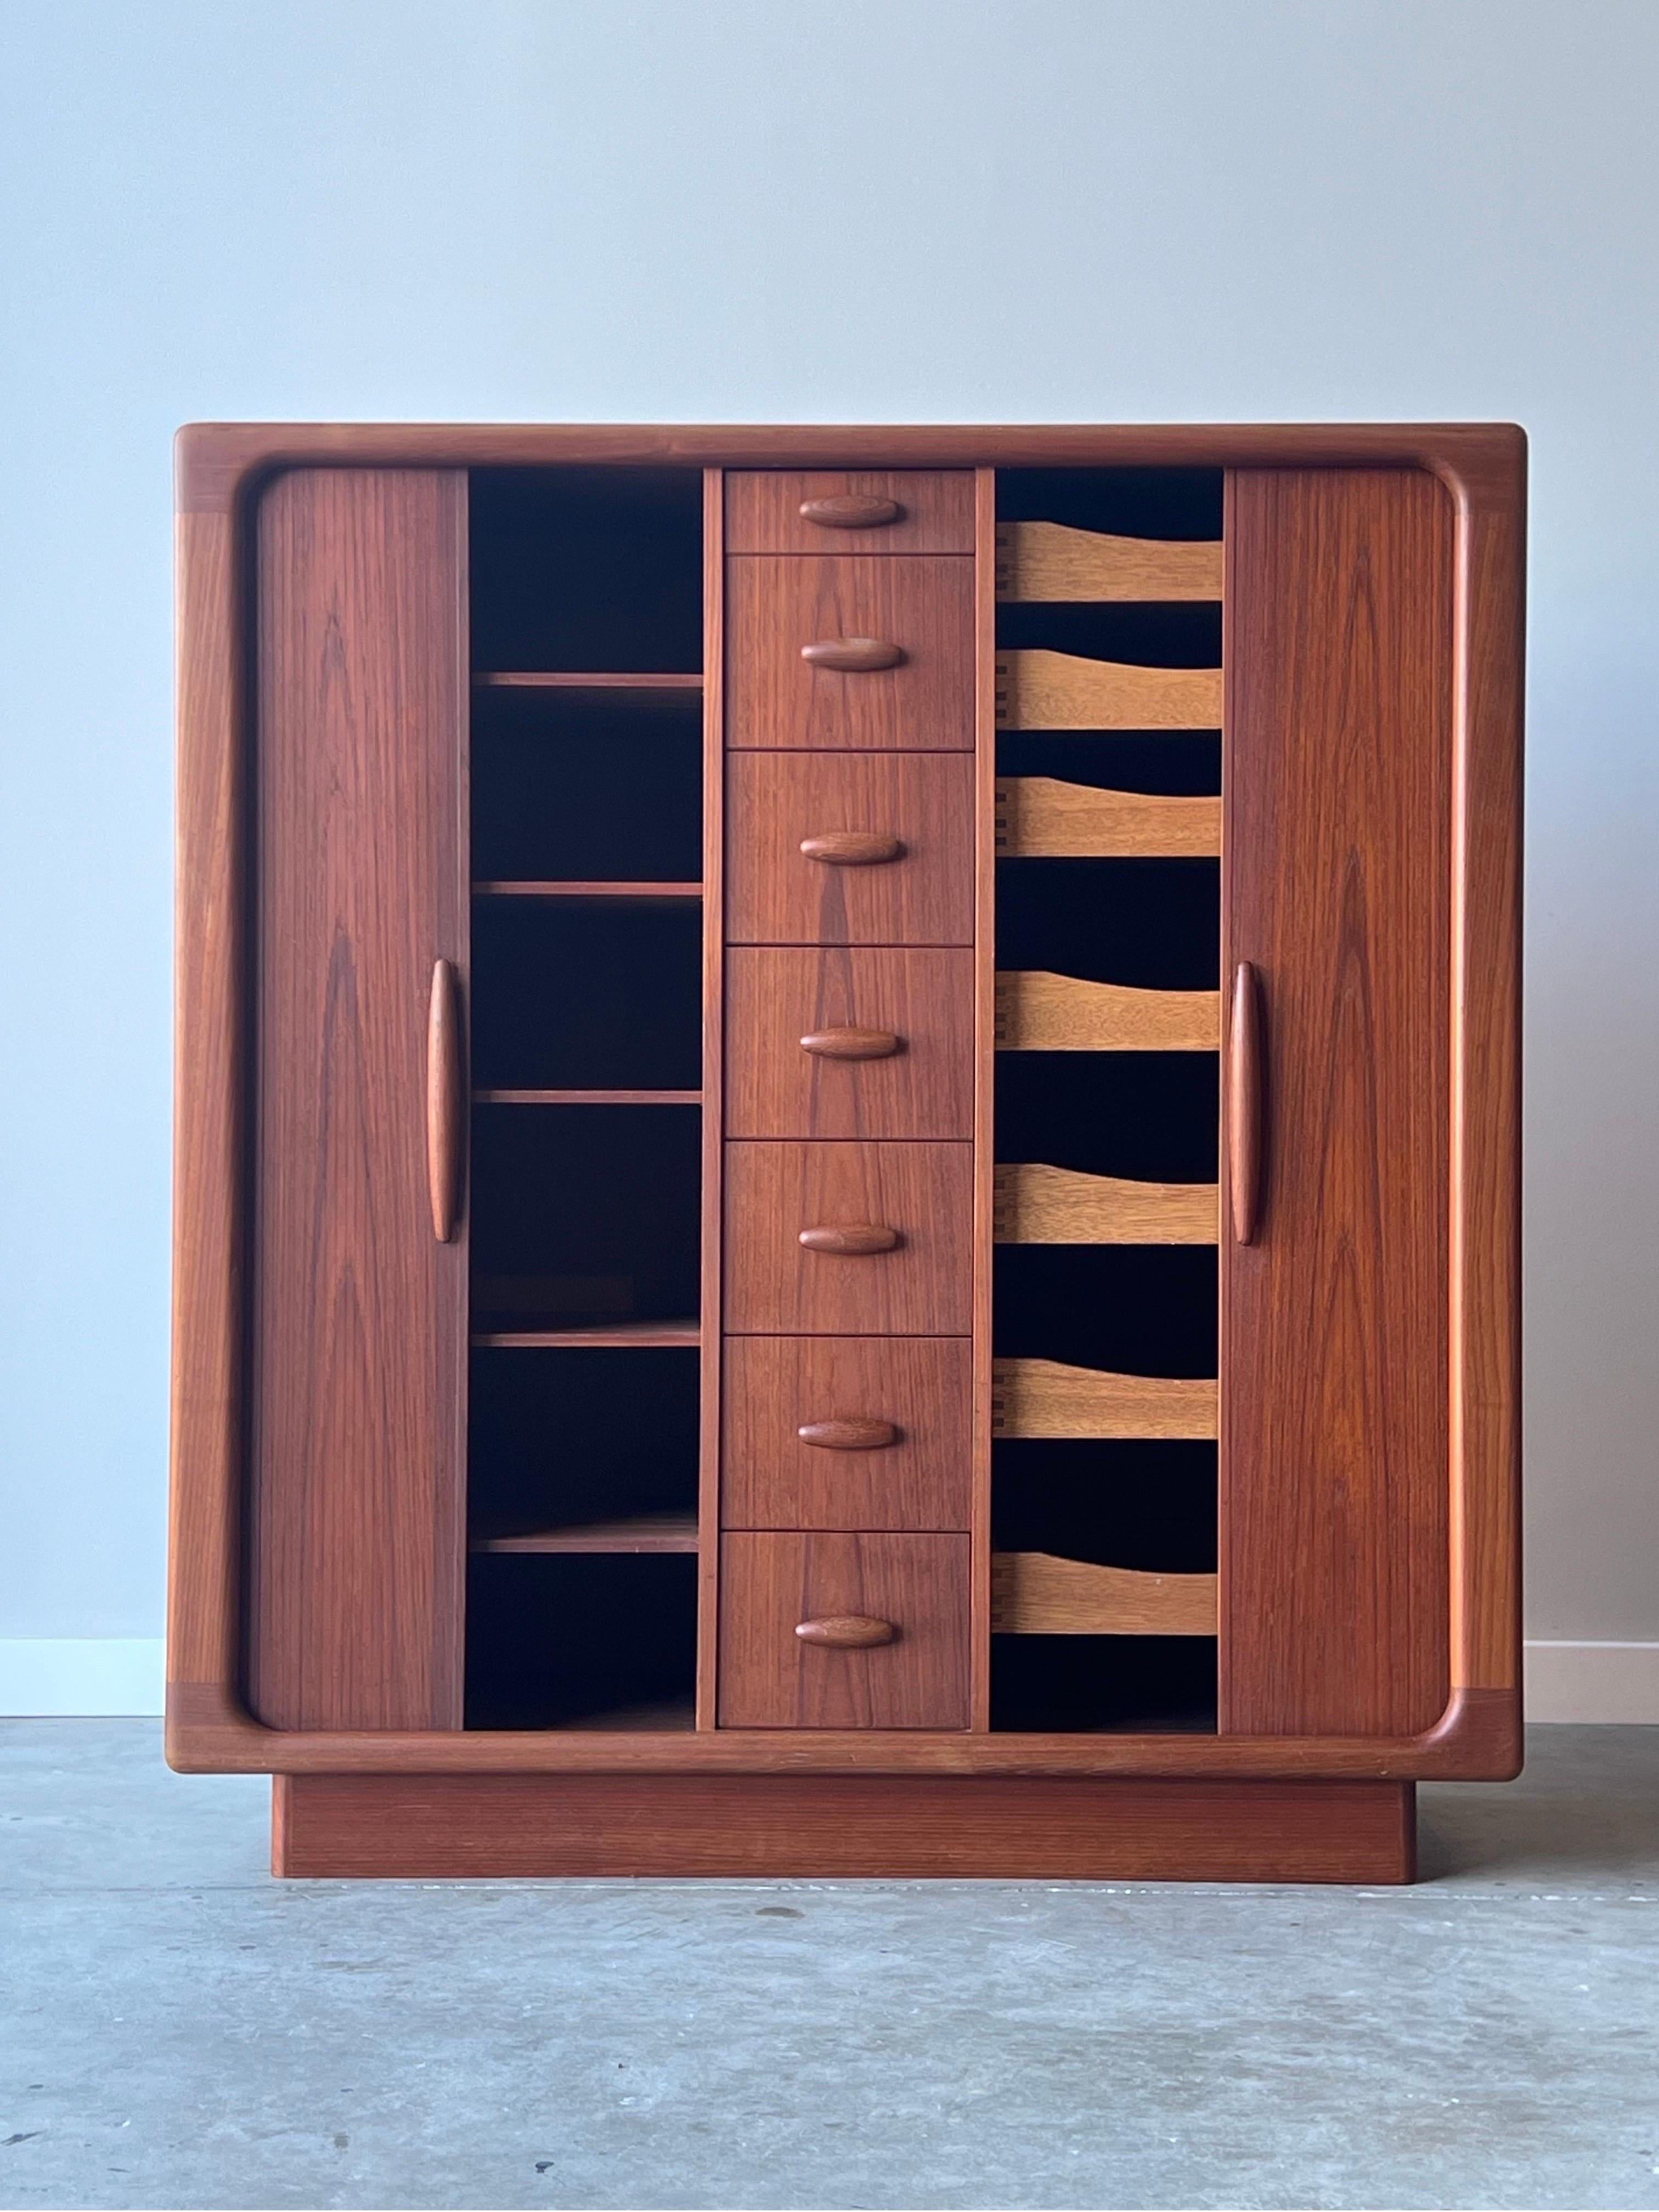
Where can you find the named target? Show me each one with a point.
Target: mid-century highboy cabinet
(847, 1145)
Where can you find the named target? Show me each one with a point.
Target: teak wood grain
(813, 1827)
(763, 510)
(358, 1323)
(221, 468)
(1051, 560)
(1038, 1203)
(1041, 1593)
(847, 1086)
(773, 1582)
(1037, 1010)
(1048, 1398)
(778, 802)
(1037, 689)
(1042, 817)
(775, 1286)
(712, 1222)
(1335, 1448)
(777, 605)
(776, 1386)
(216, 461)
(985, 1085)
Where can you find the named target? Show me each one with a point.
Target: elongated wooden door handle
(1247, 1103)
(847, 1632)
(855, 655)
(851, 1239)
(851, 848)
(446, 1100)
(851, 1433)
(851, 510)
(851, 1042)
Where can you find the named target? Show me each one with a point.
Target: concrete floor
(178, 2029)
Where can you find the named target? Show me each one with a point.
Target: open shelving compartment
(586, 1055)
(1106, 1203)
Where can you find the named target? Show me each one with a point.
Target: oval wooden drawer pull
(851, 848)
(847, 1632)
(852, 1239)
(852, 1433)
(851, 510)
(854, 655)
(850, 1042)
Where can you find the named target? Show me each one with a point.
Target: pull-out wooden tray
(1037, 1204)
(1051, 560)
(1038, 1593)
(1037, 1010)
(1040, 818)
(1037, 689)
(1046, 1397)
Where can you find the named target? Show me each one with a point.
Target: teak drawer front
(848, 1042)
(919, 1196)
(850, 511)
(921, 610)
(846, 1432)
(849, 848)
(843, 1588)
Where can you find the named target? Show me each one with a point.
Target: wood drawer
(920, 1194)
(848, 1042)
(845, 1433)
(917, 807)
(931, 511)
(914, 1588)
(920, 609)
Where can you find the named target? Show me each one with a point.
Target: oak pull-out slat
(1037, 689)
(1039, 816)
(1046, 1397)
(1037, 1010)
(1051, 560)
(1037, 1204)
(1038, 1593)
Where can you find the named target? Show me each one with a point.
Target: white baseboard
(80, 1677)
(1593, 1682)
(91, 1676)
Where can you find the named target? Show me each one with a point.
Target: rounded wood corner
(1480, 1737)
(206, 1729)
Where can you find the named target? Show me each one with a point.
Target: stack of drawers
(849, 969)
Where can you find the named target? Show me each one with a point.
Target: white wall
(795, 209)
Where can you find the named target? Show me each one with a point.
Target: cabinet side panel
(1335, 1320)
(358, 1314)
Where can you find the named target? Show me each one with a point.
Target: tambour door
(1336, 1435)
(357, 1305)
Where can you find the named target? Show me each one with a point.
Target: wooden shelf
(1038, 1593)
(1038, 1203)
(1051, 560)
(587, 1097)
(632, 1336)
(665, 1716)
(1039, 1012)
(688, 892)
(1037, 689)
(647, 683)
(1039, 816)
(642, 1532)
(1045, 1398)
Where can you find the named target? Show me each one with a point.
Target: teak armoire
(847, 1161)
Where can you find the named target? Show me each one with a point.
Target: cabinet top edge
(217, 462)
